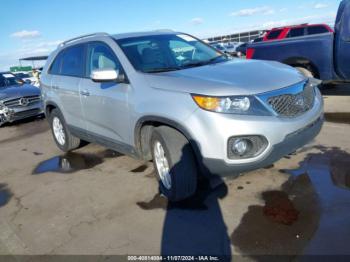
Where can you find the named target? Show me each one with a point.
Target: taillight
(250, 53)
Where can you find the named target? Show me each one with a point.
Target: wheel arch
(303, 62)
(49, 106)
(143, 131)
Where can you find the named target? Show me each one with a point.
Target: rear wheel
(174, 162)
(63, 138)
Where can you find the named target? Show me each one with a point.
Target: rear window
(313, 30)
(274, 34)
(73, 64)
(296, 32)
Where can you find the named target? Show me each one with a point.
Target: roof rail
(82, 37)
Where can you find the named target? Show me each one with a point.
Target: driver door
(105, 105)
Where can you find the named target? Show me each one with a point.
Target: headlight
(243, 105)
(314, 82)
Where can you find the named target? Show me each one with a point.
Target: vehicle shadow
(195, 226)
(336, 89)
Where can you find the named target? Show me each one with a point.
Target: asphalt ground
(97, 202)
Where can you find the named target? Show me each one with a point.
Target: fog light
(240, 146)
(244, 147)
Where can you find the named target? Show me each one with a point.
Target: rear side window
(313, 30)
(274, 34)
(73, 61)
(55, 68)
(296, 32)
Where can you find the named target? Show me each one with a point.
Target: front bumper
(211, 132)
(291, 143)
(19, 113)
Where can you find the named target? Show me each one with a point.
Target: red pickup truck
(280, 33)
(324, 55)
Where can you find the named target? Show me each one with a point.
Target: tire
(70, 142)
(181, 162)
(305, 72)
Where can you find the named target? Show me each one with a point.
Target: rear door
(105, 105)
(66, 85)
(342, 41)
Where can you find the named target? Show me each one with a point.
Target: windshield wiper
(202, 63)
(162, 69)
(216, 58)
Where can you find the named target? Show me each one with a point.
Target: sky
(36, 27)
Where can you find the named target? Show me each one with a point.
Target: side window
(56, 65)
(296, 32)
(73, 61)
(100, 56)
(274, 34)
(313, 30)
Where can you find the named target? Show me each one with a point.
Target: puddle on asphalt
(310, 215)
(139, 169)
(279, 208)
(37, 153)
(339, 118)
(73, 162)
(5, 194)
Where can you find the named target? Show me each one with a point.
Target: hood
(235, 77)
(19, 91)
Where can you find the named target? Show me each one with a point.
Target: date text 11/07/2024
(173, 258)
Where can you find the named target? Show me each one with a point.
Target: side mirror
(107, 75)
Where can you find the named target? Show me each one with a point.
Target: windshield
(23, 75)
(7, 81)
(161, 53)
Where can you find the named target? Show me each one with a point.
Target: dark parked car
(259, 39)
(325, 56)
(18, 101)
(242, 49)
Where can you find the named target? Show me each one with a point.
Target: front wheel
(63, 138)
(174, 162)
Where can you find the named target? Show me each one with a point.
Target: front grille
(289, 105)
(28, 113)
(29, 100)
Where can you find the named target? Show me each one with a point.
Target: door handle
(55, 87)
(84, 93)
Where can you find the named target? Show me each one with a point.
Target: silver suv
(172, 98)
